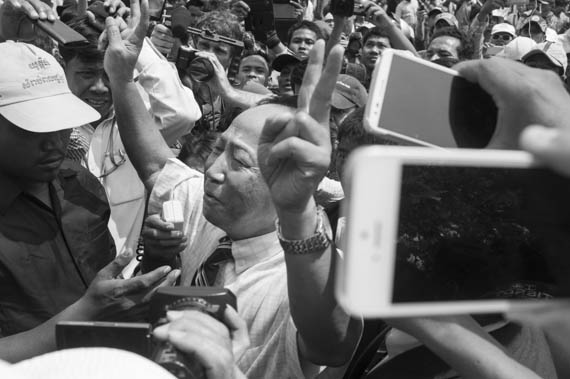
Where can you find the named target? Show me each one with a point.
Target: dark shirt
(48, 257)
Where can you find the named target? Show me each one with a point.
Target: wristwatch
(317, 243)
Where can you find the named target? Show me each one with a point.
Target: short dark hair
(304, 24)
(89, 52)
(375, 32)
(258, 53)
(466, 47)
(352, 128)
(222, 22)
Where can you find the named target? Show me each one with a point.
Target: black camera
(210, 300)
(199, 68)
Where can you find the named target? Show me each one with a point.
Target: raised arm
(145, 146)
(376, 15)
(294, 155)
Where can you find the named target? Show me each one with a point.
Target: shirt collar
(250, 251)
(9, 191)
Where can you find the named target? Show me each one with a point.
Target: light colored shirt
(174, 111)
(257, 276)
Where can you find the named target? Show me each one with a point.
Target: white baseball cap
(34, 94)
(504, 28)
(85, 363)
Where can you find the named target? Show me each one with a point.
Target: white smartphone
(435, 232)
(417, 102)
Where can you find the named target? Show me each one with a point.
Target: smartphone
(133, 337)
(416, 102)
(260, 19)
(284, 12)
(436, 232)
(62, 33)
(155, 9)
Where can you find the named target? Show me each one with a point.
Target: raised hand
(524, 96)
(294, 150)
(125, 44)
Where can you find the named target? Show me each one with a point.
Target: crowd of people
(247, 136)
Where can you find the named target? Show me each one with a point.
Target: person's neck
(39, 190)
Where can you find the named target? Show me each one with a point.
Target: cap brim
(50, 114)
(283, 60)
(340, 102)
(532, 53)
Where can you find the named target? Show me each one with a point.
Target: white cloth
(174, 110)
(257, 277)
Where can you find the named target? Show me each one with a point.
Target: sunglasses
(502, 37)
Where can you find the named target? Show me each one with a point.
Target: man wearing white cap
(548, 56)
(56, 253)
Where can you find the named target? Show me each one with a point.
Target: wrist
(298, 224)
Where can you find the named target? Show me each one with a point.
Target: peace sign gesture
(295, 149)
(125, 43)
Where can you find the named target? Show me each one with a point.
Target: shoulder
(76, 180)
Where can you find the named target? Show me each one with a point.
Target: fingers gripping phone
(416, 102)
(62, 33)
(436, 232)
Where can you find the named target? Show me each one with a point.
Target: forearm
(327, 335)
(144, 144)
(41, 339)
(242, 99)
(339, 23)
(469, 349)
(398, 40)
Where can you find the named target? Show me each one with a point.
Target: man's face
(372, 50)
(329, 20)
(195, 14)
(284, 80)
(302, 41)
(532, 30)
(253, 68)
(31, 157)
(236, 198)
(443, 47)
(501, 38)
(89, 82)
(223, 51)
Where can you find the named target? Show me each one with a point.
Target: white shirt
(258, 277)
(174, 110)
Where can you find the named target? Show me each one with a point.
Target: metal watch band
(318, 242)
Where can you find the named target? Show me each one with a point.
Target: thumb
(113, 269)
(548, 145)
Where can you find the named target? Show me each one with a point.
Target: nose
(99, 86)
(215, 168)
(55, 141)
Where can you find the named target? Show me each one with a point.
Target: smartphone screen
(475, 233)
(132, 337)
(434, 106)
(155, 8)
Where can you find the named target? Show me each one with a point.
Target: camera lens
(201, 70)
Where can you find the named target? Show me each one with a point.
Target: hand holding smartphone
(416, 102)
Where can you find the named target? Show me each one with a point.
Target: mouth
(96, 103)
(51, 162)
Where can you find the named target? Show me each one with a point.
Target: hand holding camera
(216, 345)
